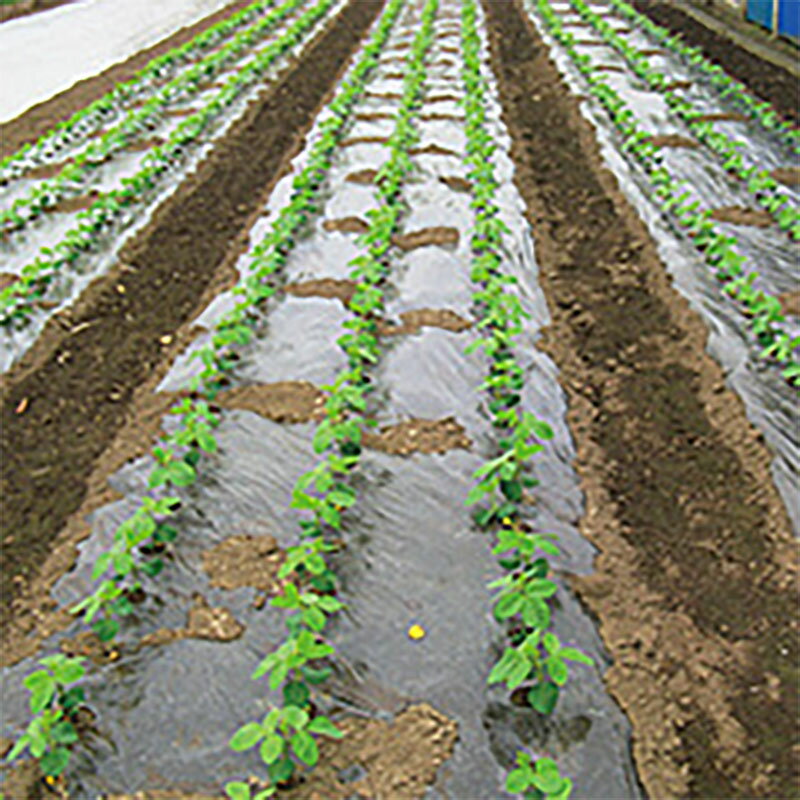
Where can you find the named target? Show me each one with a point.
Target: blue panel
(789, 18)
(760, 12)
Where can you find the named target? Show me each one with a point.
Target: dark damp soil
(790, 303)
(651, 52)
(346, 225)
(695, 582)
(284, 401)
(80, 376)
(676, 85)
(414, 321)
(330, 288)
(673, 140)
(608, 68)
(456, 183)
(789, 176)
(25, 7)
(6, 279)
(439, 235)
(741, 215)
(768, 81)
(419, 436)
(590, 43)
(39, 119)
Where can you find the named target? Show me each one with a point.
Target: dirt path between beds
(694, 584)
(39, 119)
(64, 402)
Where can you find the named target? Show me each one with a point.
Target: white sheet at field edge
(43, 54)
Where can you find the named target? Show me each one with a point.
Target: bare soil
(284, 401)
(790, 303)
(673, 140)
(789, 176)
(419, 436)
(696, 577)
(741, 215)
(245, 560)
(363, 176)
(330, 288)
(725, 116)
(437, 235)
(456, 183)
(22, 9)
(346, 225)
(414, 321)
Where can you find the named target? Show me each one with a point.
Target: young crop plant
(534, 659)
(142, 540)
(719, 250)
(18, 301)
(74, 177)
(286, 736)
(54, 701)
(760, 184)
(88, 120)
(756, 109)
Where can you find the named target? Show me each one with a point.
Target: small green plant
(53, 701)
(539, 780)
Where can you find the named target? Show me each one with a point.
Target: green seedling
(54, 698)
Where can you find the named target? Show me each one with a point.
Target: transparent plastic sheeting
(413, 554)
(770, 402)
(24, 247)
(43, 54)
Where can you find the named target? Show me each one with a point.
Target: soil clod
(245, 560)
(284, 401)
(741, 215)
(419, 436)
(437, 235)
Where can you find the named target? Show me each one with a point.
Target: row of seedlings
(76, 176)
(760, 184)
(18, 300)
(764, 311)
(140, 545)
(534, 658)
(758, 110)
(87, 121)
(284, 735)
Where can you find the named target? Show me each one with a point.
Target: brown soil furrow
(695, 583)
(39, 119)
(79, 377)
